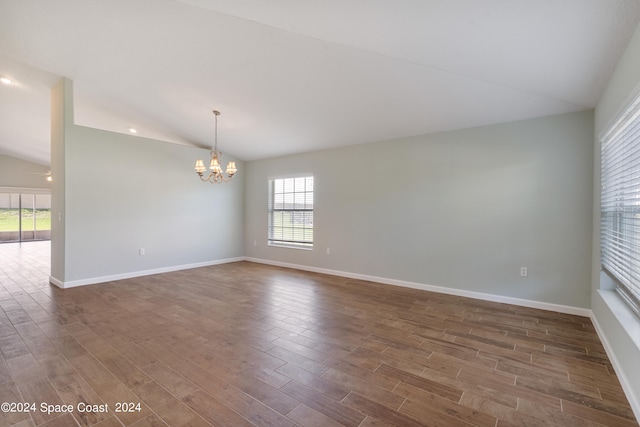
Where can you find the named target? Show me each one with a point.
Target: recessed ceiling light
(133, 130)
(6, 80)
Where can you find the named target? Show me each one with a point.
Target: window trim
(282, 243)
(616, 255)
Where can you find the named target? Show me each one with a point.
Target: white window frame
(290, 207)
(620, 204)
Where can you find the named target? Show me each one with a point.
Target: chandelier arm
(220, 179)
(214, 178)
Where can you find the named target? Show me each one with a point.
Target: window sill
(276, 245)
(624, 314)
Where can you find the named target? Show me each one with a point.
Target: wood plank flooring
(247, 344)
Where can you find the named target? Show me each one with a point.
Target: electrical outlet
(523, 271)
(141, 251)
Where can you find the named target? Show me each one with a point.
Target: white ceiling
(299, 75)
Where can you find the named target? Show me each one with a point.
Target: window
(291, 212)
(620, 205)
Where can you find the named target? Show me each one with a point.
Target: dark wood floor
(247, 344)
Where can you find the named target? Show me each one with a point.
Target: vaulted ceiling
(300, 75)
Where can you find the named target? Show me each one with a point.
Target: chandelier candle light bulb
(216, 175)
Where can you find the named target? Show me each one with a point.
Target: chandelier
(215, 175)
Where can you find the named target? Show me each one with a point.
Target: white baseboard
(110, 278)
(56, 282)
(440, 289)
(618, 307)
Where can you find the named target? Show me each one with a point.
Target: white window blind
(291, 212)
(620, 205)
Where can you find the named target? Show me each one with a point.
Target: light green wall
(18, 173)
(463, 209)
(123, 193)
(621, 330)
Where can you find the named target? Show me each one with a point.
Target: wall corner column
(61, 124)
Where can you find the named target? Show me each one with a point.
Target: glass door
(25, 217)
(9, 217)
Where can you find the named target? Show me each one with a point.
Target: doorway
(25, 217)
